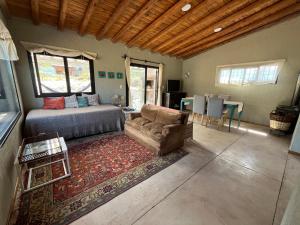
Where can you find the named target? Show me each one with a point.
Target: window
(61, 76)
(9, 103)
(249, 73)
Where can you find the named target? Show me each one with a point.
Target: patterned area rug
(101, 170)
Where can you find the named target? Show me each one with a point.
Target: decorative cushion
(82, 101)
(165, 117)
(149, 112)
(54, 103)
(71, 102)
(92, 99)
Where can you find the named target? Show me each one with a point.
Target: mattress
(75, 122)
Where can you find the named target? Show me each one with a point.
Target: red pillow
(54, 103)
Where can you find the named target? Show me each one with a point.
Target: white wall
(8, 175)
(109, 60)
(280, 41)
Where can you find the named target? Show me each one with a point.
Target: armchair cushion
(149, 112)
(138, 122)
(165, 117)
(154, 130)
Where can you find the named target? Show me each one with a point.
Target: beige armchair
(158, 128)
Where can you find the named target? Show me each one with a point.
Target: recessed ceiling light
(186, 7)
(218, 29)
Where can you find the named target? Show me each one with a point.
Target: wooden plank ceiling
(158, 25)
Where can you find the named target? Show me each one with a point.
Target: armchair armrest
(172, 128)
(133, 115)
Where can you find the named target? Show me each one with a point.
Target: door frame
(157, 79)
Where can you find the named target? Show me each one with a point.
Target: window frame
(34, 69)
(13, 123)
(245, 66)
(2, 91)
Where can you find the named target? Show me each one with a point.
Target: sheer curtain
(7, 47)
(39, 48)
(160, 83)
(127, 72)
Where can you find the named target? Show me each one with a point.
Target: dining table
(230, 105)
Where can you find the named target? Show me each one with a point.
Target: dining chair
(210, 96)
(225, 98)
(199, 105)
(215, 107)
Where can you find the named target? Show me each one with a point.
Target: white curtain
(39, 48)
(160, 83)
(127, 72)
(7, 47)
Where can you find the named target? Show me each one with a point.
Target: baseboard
(294, 153)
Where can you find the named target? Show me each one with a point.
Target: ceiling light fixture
(218, 29)
(186, 7)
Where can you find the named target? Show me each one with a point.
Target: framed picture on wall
(119, 75)
(101, 74)
(111, 75)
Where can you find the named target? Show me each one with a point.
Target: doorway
(143, 85)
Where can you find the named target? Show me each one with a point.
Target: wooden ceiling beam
(201, 9)
(256, 17)
(224, 23)
(115, 16)
(87, 16)
(157, 22)
(139, 14)
(62, 14)
(265, 22)
(210, 19)
(4, 9)
(35, 11)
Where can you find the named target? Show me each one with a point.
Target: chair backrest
(210, 96)
(199, 104)
(215, 107)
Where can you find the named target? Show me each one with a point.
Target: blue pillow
(82, 101)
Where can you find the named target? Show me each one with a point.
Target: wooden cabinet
(172, 99)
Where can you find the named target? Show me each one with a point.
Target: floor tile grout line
(186, 180)
(280, 188)
(263, 174)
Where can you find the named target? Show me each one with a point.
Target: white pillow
(71, 102)
(92, 99)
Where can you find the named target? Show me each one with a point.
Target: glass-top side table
(41, 148)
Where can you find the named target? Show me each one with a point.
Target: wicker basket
(279, 121)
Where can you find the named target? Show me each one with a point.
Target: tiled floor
(227, 179)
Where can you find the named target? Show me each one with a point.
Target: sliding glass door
(143, 85)
(137, 86)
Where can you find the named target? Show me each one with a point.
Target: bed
(75, 122)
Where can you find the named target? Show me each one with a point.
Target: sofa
(158, 128)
